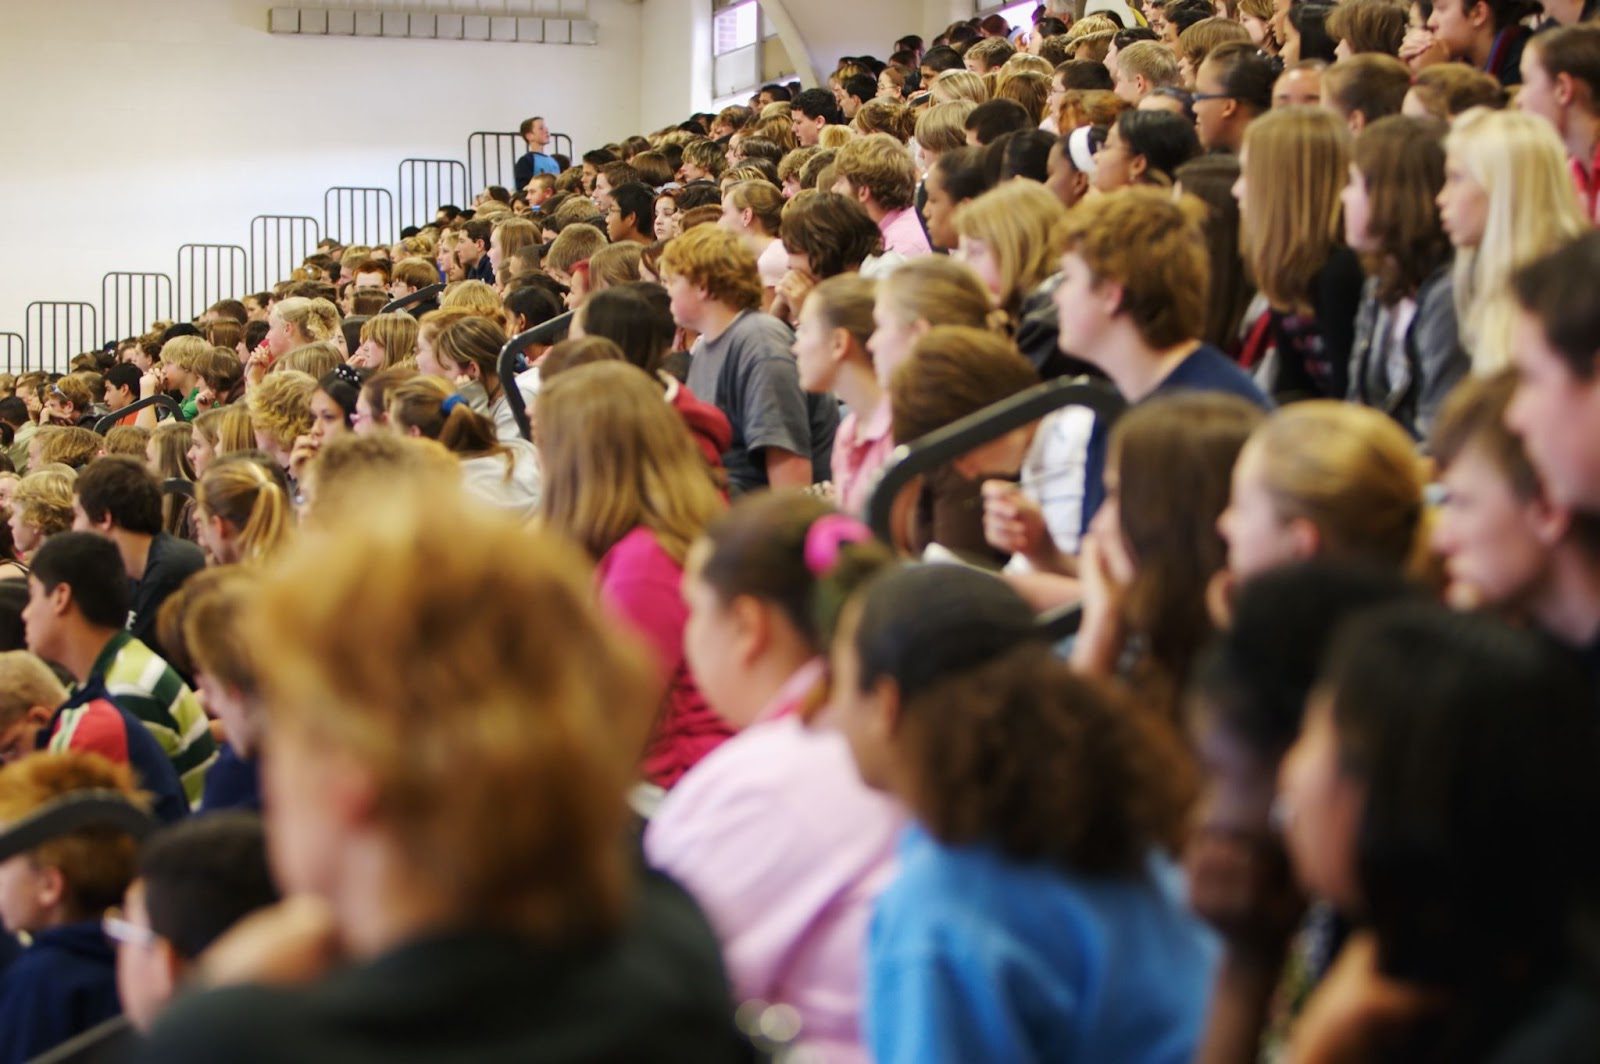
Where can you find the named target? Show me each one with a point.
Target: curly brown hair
(1045, 764)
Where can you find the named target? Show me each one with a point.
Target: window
(1019, 15)
(743, 48)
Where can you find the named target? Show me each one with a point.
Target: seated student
(1131, 303)
(635, 506)
(1143, 67)
(122, 390)
(876, 171)
(1144, 147)
(117, 497)
(1326, 479)
(1509, 199)
(1557, 338)
(78, 597)
(630, 218)
(193, 882)
(1036, 914)
(1407, 355)
(1233, 87)
(333, 406)
(1293, 164)
(1505, 545)
(754, 211)
(1166, 480)
(503, 473)
(242, 510)
(68, 401)
(466, 353)
(64, 982)
(549, 946)
(1560, 79)
(1365, 88)
(1460, 875)
(637, 317)
(41, 507)
(280, 413)
(989, 120)
(1243, 712)
(774, 832)
(830, 348)
(1488, 34)
(742, 363)
(1010, 238)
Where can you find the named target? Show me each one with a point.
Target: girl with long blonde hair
(1508, 198)
(387, 341)
(635, 505)
(1293, 166)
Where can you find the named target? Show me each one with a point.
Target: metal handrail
(164, 402)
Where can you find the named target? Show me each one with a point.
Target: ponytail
(427, 405)
(250, 498)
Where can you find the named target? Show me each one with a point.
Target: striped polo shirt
(147, 687)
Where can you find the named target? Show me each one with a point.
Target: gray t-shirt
(749, 373)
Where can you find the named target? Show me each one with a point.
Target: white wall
(134, 126)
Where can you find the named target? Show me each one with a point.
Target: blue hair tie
(451, 403)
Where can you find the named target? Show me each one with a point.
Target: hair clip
(827, 537)
(451, 403)
(348, 373)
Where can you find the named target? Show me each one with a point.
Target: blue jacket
(60, 986)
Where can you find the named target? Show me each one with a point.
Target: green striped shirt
(144, 685)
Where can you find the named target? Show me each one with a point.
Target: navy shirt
(1206, 369)
(92, 722)
(232, 782)
(60, 986)
(533, 162)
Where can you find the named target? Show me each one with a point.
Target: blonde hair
(235, 430)
(246, 496)
(1297, 161)
(879, 163)
(476, 296)
(396, 333)
(127, 439)
(649, 474)
(184, 352)
(71, 445)
(280, 406)
(515, 234)
(43, 499)
(25, 682)
(575, 244)
(762, 199)
(885, 116)
(314, 360)
(939, 290)
(1353, 473)
(172, 440)
(520, 715)
(1019, 222)
(954, 85)
(834, 136)
(350, 462)
(314, 319)
(1521, 166)
(943, 127)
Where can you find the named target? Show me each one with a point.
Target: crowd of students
(489, 642)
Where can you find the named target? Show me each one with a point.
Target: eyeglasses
(124, 932)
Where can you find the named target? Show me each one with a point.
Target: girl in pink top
(635, 504)
(774, 833)
(830, 344)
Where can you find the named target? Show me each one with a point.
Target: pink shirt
(786, 850)
(902, 232)
(642, 585)
(860, 449)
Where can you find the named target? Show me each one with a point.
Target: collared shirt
(860, 450)
(785, 849)
(903, 233)
(145, 686)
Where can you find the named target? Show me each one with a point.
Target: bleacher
(54, 330)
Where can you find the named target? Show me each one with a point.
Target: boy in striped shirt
(78, 596)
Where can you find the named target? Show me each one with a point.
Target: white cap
(1119, 8)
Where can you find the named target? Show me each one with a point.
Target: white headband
(1080, 149)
